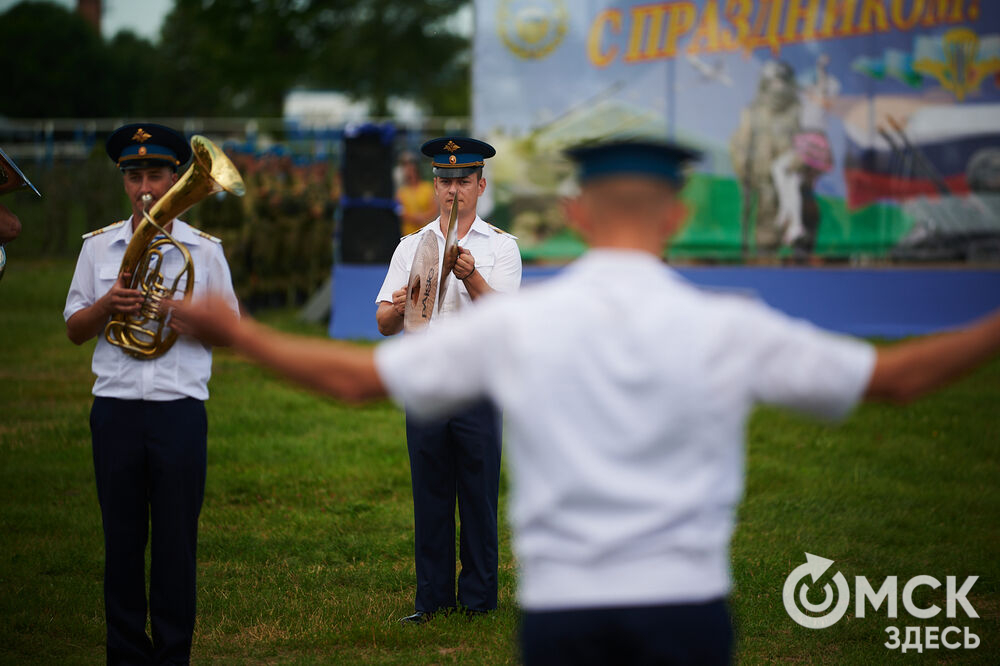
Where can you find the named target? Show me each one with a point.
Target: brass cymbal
(422, 287)
(11, 177)
(450, 252)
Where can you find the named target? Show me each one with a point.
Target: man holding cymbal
(458, 457)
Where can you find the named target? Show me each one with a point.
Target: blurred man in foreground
(148, 420)
(626, 391)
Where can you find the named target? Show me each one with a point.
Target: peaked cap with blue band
(650, 158)
(147, 145)
(457, 156)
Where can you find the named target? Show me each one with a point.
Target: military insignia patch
(141, 135)
(98, 232)
(532, 29)
(142, 150)
(501, 231)
(958, 59)
(451, 147)
(452, 159)
(210, 237)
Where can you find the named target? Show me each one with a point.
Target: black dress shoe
(420, 617)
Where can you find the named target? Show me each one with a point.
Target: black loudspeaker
(368, 235)
(367, 167)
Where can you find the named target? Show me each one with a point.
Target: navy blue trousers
(149, 462)
(640, 635)
(456, 458)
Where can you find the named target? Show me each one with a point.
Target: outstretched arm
(910, 369)
(337, 369)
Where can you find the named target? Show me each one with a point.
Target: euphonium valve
(146, 333)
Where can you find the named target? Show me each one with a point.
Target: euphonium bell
(145, 334)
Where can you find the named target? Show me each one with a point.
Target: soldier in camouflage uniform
(317, 234)
(267, 242)
(297, 225)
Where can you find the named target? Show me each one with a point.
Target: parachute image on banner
(830, 130)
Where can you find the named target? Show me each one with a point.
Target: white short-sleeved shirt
(498, 260)
(185, 369)
(625, 391)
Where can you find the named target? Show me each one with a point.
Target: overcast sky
(143, 17)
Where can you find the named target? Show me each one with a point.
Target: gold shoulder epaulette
(501, 231)
(98, 232)
(206, 235)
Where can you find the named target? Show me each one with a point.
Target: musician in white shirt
(148, 421)
(454, 459)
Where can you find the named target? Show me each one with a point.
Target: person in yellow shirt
(415, 195)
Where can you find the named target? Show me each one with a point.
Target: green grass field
(306, 531)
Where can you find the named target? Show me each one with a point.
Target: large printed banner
(847, 128)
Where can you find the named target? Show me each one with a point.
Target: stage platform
(869, 302)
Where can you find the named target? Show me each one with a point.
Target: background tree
(136, 71)
(55, 64)
(235, 58)
(379, 48)
(241, 57)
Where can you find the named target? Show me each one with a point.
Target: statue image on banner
(779, 151)
(766, 134)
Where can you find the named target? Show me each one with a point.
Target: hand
(120, 299)
(209, 319)
(399, 301)
(10, 226)
(465, 265)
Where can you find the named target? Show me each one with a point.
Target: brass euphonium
(145, 334)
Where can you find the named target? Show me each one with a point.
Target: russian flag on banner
(924, 153)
